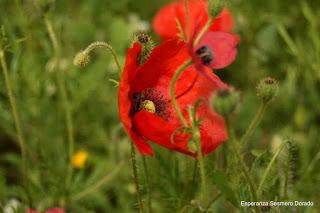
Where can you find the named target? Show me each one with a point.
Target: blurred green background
(280, 39)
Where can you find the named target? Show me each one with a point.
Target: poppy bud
(81, 59)
(267, 89)
(225, 101)
(147, 46)
(215, 7)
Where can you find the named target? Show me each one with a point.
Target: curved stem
(136, 178)
(172, 87)
(202, 32)
(101, 44)
(254, 123)
(17, 123)
(146, 174)
(64, 97)
(235, 148)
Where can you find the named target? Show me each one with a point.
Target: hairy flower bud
(215, 7)
(147, 46)
(225, 101)
(81, 59)
(267, 89)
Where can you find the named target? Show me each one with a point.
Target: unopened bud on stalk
(267, 89)
(215, 7)
(147, 46)
(225, 101)
(81, 59)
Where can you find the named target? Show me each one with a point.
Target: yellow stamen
(148, 106)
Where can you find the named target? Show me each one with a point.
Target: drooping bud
(81, 59)
(225, 101)
(267, 89)
(215, 7)
(147, 46)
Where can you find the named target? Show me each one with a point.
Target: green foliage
(280, 39)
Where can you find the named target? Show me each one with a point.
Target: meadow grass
(59, 109)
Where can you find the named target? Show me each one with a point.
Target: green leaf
(221, 182)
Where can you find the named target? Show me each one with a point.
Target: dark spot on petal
(205, 55)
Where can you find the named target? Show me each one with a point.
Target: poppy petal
(223, 22)
(162, 63)
(165, 21)
(159, 131)
(213, 130)
(223, 47)
(124, 101)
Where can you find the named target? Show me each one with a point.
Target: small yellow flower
(79, 159)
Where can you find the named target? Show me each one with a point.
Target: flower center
(150, 100)
(148, 106)
(205, 55)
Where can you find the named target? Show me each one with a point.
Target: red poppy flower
(145, 106)
(165, 21)
(216, 48)
(53, 210)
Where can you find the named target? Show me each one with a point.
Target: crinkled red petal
(124, 101)
(165, 21)
(223, 47)
(159, 131)
(213, 129)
